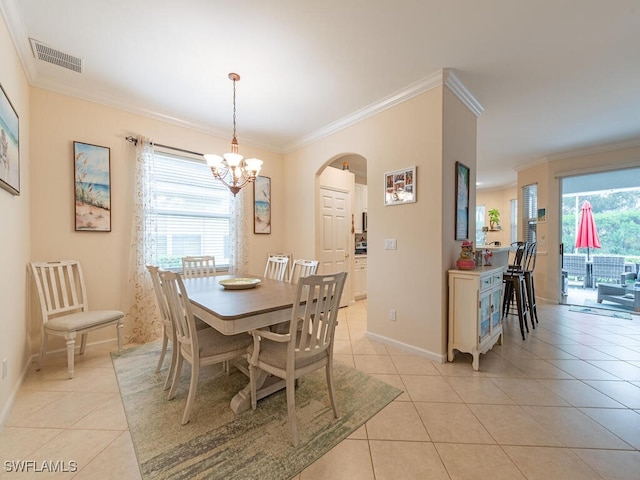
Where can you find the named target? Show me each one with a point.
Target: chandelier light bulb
(231, 168)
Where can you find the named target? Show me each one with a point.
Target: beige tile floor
(564, 403)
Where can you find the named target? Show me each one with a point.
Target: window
(529, 212)
(480, 235)
(514, 220)
(193, 212)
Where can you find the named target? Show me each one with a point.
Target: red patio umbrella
(587, 236)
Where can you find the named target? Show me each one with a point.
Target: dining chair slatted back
(288, 256)
(168, 332)
(302, 268)
(199, 347)
(276, 268)
(64, 307)
(308, 346)
(200, 266)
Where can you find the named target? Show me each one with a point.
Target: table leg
(266, 385)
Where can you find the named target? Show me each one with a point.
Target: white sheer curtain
(239, 261)
(143, 312)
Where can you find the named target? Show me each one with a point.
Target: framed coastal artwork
(9, 145)
(462, 201)
(400, 186)
(262, 205)
(92, 187)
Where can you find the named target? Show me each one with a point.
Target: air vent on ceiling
(47, 54)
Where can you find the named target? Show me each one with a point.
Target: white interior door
(335, 215)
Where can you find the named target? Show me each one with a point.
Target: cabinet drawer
(490, 280)
(486, 281)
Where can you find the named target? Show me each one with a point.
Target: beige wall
(411, 279)
(500, 199)
(58, 120)
(14, 234)
(459, 145)
(547, 176)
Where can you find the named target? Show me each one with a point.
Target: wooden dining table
(236, 311)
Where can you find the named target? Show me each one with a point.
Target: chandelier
(232, 169)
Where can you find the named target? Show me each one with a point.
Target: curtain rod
(135, 142)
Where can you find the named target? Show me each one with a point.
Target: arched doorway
(335, 217)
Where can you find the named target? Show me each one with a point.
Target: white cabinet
(360, 200)
(360, 278)
(475, 311)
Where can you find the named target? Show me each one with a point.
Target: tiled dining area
(564, 403)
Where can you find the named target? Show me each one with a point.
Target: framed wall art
(542, 215)
(262, 205)
(92, 187)
(9, 145)
(400, 186)
(462, 201)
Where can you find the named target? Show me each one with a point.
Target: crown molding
(602, 148)
(457, 87)
(19, 36)
(441, 77)
(403, 95)
(580, 152)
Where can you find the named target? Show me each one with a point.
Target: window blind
(529, 212)
(192, 212)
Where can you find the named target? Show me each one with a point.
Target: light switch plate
(390, 244)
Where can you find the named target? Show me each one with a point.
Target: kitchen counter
(500, 255)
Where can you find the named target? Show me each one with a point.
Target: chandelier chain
(234, 108)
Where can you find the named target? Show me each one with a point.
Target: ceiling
(554, 78)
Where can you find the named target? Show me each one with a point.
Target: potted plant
(494, 219)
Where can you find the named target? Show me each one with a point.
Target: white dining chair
(198, 266)
(302, 268)
(168, 332)
(198, 347)
(276, 268)
(288, 256)
(308, 345)
(65, 310)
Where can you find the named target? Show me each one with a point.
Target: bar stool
(529, 266)
(514, 284)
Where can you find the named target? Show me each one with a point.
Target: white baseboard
(4, 414)
(436, 357)
(14, 392)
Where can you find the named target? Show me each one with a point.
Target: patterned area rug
(601, 311)
(216, 443)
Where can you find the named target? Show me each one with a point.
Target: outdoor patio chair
(575, 265)
(607, 268)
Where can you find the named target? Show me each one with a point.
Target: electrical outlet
(392, 315)
(390, 244)
(4, 368)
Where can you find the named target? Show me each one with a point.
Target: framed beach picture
(400, 186)
(9, 145)
(262, 205)
(462, 201)
(92, 187)
(542, 215)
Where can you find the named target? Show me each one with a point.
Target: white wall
(15, 242)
